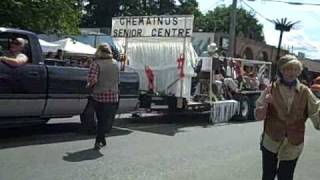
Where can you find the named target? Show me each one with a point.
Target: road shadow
(165, 124)
(47, 134)
(168, 125)
(82, 155)
(171, 124)
(232, 121)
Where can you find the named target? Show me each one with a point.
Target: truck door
(22, 89)
(67, 94)
(6, 89)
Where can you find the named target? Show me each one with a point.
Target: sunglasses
(15, 43)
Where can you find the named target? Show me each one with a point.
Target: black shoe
(99, 145)
(103, 142)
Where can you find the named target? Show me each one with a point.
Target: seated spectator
(59, 54)
(251, 81)
(14, 55)
(49, 55)
(86, 62)
(315, 87)
(218, 86)
(231, 84)
(263, 82)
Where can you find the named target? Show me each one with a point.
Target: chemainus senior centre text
(148, 26)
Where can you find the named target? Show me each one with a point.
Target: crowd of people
(61, 58)
(233, 78)
(81, 60)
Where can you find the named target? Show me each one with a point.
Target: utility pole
(232, 29)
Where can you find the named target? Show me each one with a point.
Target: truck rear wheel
(252, 106)
(243, 115)
(88, 119)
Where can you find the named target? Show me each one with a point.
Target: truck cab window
(15, 50)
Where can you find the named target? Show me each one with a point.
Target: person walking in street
(285, 107)
(103, 78)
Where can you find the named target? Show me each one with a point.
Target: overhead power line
(302, 42)
(295, 3)
(267, 19)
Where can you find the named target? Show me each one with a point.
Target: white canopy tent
(75, 47)
(48, 46)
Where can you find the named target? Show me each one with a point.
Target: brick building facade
(244, 48)
(249, 48)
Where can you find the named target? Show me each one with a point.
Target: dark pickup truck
(36, 91)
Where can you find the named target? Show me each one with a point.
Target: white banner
(152, 26)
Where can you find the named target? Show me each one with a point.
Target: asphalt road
(147, 149)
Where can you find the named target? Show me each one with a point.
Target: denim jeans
(105, 113)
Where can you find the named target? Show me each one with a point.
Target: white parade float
(161, 46)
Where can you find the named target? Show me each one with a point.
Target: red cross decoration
(150, 77)
(180, 63)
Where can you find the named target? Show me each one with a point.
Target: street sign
(152, 26)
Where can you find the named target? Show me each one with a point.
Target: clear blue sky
(305, 37)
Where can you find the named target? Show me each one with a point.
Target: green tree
(191, 7)
(219, 21)
(99, 13)
(167, 7)
(41, 16)
(149, 7)
(136, 8)
(188, 7)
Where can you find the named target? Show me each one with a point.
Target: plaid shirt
(105, 97)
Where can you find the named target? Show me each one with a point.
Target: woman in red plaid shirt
(103, 78)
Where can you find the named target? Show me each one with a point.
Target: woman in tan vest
(285, 107)
(103, 78)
